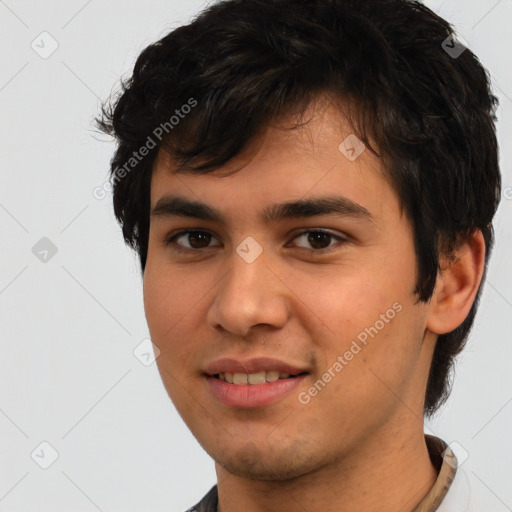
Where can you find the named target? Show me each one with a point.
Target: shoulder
(208, 503)
(468, 494)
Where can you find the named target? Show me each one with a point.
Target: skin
(352, 447)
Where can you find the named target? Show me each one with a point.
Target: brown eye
(195, 239)
(318, 240)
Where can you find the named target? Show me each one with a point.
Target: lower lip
(252, 395)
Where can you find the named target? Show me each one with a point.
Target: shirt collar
(445, 462)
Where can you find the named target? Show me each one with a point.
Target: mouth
(253, 383)
(255, 378)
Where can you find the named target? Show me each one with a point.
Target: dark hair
(242, 64)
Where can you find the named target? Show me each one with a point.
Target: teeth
(256, 378)
(272, 376)
(253, 378)
(239, 378)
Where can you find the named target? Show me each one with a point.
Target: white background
(69, 326)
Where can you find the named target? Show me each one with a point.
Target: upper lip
(258, 364)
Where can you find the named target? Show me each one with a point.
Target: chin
(266, 463)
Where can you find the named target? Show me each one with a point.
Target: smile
(253, 395)
(253, 378)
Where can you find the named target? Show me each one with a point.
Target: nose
(249, 294)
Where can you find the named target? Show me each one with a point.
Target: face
(319, 296)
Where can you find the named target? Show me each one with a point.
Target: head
(246, 107)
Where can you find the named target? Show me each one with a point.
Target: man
(310, 186)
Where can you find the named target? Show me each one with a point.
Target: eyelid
(169, 240)
(342, 239)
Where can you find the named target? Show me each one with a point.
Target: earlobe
(457, 284)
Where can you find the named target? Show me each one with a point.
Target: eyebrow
(176, 206)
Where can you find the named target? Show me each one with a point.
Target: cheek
(168, 304)
(343, 302)
(175, 303)
(365, 315)
(169, 297)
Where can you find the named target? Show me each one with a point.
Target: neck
(389, 472)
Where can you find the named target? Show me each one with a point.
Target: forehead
(284, 165)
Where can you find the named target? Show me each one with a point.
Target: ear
(457, 284)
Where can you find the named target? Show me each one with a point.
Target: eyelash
(170, 241)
